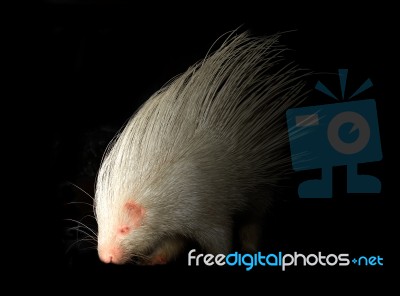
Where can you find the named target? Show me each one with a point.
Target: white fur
(200, 148)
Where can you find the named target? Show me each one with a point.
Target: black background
(93, 63)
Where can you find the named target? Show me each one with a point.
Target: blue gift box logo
(344, 133)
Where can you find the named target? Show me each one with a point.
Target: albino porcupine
(200, 152)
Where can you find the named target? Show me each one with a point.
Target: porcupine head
(195, 155)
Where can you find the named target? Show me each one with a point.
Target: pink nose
(110, 255)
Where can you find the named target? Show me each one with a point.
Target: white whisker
(76, 186)
(82, 224)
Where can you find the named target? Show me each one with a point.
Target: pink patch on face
(158, 260)
(135, 213)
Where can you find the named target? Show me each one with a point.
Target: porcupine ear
(135, 213)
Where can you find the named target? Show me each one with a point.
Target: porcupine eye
(135, 214)
(124, 230)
